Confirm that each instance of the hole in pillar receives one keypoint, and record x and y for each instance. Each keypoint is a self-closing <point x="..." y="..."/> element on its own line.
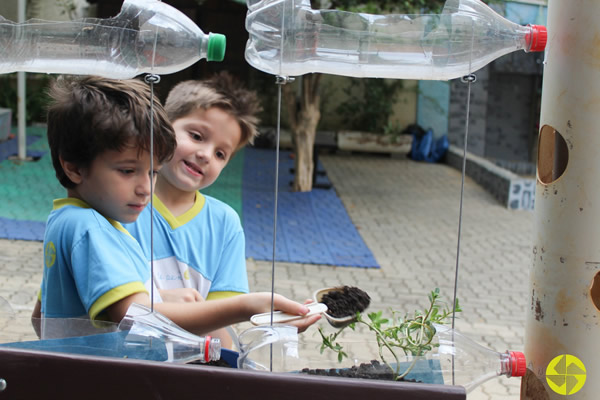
<point x="595" y="291"/>
<point x="553" y="155"/>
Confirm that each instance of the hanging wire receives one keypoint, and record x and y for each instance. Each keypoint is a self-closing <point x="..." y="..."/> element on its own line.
<point x="279" y="81"/>
<point x="151" y="79"/>
<point x="468" y="79"/>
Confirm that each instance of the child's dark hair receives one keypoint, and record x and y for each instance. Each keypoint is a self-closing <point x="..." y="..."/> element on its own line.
<point x="90" y="115"/>
<point x="222" y="91"/>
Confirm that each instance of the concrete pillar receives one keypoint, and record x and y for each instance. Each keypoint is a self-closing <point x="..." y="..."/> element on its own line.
<point x="564" y="317"/>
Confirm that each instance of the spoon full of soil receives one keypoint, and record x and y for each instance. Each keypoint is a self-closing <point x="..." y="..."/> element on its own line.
<point x="338" y="304"/>
<point x="343" y="302"/>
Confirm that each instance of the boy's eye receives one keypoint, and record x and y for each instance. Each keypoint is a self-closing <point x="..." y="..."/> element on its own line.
<point x="221" y="155"/>
<point x="126" y="171"/>
<point x="196" y="136"/>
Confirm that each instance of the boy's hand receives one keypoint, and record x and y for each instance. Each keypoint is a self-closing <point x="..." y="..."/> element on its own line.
<point x="181" y="295"/>
<point x="304" y="323"/>
<point x="261" y="302"/>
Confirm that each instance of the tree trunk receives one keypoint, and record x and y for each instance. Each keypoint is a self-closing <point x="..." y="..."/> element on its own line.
<point x="304" y="115"/>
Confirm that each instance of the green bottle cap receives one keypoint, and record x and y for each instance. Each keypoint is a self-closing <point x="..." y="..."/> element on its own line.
<point x="216" y="47"/>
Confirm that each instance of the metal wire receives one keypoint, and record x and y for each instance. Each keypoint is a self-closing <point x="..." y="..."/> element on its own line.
<point x="151" y="79"/>
<point x="279" y="82"/>
<point x="468" y="79"/>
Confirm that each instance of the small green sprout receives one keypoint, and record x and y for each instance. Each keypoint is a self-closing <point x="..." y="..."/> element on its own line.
<point x="413" y="335"/>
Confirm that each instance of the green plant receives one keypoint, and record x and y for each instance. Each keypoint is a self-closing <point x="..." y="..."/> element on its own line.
<point x="371" y="110"/>
<point x="393" y="130"/>
<point x="36" y="98"/>
<point x="412" y="335"/>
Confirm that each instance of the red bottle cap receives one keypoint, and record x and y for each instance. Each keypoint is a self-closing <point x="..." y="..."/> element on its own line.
<point x="207" y="348"/>
<point x="537" y="37"/>
<point x="518" y="363"/>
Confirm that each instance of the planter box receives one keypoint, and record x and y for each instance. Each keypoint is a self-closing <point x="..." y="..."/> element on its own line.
<point x="373" y="143"/>
<point x="34" y="374"/>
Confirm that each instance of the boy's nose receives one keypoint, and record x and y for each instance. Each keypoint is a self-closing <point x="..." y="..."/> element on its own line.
<point x="142" y="188"/>
<point x="203" y="154"/>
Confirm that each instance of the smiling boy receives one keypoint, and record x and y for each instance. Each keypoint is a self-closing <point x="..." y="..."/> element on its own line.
<point x="199" y="241"/>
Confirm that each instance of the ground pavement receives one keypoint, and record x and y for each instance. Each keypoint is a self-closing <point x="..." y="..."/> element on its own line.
<point x="407" y="213"/>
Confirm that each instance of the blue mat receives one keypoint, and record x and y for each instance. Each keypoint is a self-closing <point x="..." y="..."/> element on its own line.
<point x="21" y="230"/>
<point x="10" y="147"/>
<point x="312" y="227"/>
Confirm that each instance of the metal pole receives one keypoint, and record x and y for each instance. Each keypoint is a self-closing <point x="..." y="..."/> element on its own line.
<point x="563" y="320"/>
<point x="22" y="140"/>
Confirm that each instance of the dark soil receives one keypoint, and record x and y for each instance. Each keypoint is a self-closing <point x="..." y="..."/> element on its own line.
<point x="348" y="301"/>
<point x="218" y="363"/>
<point x="372" y="370"/>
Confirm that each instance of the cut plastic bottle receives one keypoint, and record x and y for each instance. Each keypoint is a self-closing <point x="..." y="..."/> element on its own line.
<point x="471" y="363"/>
<point x="288" y="38"/>
<point x="454" y="360"/>
<point x="144" y="326"/>
<point x="147" y="36"/>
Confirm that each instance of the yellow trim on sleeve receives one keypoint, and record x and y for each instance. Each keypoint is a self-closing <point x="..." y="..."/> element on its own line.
<point x="221" y="295"/>
<point x="176" y="222"/>
<point x="114" y="295"/>
<point x="40" y="294"/>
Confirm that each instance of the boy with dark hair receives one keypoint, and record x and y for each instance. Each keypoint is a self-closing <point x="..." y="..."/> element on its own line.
<point x="199" y="241"/>
<point x="99" y="136"/>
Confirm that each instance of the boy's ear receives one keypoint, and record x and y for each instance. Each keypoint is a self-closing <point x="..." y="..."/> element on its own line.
<point x="73" y="171"/>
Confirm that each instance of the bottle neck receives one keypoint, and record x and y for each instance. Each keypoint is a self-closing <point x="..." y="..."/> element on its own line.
<point x="204" y="47"/>
<point x="506" y="364"/>
<point x="513" y="363"/>
<point x="212" y="349"/>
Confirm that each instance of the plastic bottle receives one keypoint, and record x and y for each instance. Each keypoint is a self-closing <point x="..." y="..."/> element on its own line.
<point x="144" y="326"/>
<point x="269" y="348"/>
<point x="148" y="36"/>
<point x="466" y="363"/>
<point x="289" y="38"/>
<point x="456" y="361"/>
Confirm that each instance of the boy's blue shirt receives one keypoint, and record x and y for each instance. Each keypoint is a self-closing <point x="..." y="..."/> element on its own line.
<point x="90" y="262"/>
<point x="203" y="249"/>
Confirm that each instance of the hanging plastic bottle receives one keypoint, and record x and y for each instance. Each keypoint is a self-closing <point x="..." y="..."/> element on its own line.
<point x="289" y="38"/>
<point x="147" y="36"/>
<point x="181" y="346"/>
